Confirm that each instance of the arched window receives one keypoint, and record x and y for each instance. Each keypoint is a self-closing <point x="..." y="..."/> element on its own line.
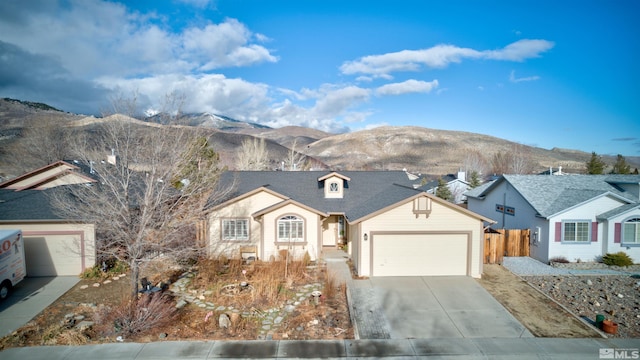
<point x="290" y="229"/>
<point x="631" y="231"/>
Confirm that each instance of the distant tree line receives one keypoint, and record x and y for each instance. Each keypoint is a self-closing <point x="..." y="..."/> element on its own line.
<point x="596" y="166"/>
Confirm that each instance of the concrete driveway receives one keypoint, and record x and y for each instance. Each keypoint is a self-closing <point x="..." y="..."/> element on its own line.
<point x="429" y="307"/>
<point x="29" y="297"/>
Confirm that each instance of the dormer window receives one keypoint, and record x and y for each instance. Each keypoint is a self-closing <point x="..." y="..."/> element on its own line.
<point x="333" y="187"/>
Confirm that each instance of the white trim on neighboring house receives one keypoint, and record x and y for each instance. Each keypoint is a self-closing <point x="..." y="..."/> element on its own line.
<point x="608" y="193"/>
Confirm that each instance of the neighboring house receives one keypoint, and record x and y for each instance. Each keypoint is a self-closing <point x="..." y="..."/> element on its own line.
<point x="53" y="246"/>
<point x="579" y="217"/>
<point x="458" y="185"/>
<point x="389" y="227"/>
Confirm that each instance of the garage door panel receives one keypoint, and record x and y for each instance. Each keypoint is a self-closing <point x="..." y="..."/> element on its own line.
<point x="52" y="256"/>
<point x="419" y="254"/>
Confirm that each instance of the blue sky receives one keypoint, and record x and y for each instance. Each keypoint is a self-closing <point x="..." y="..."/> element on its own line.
<point x="543" y="73"/>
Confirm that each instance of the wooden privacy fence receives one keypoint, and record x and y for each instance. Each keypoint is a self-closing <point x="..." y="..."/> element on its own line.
<point x="501" y="243"/>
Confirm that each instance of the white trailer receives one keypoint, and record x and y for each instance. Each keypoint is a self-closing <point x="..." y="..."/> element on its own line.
<point x="13" y="267"/>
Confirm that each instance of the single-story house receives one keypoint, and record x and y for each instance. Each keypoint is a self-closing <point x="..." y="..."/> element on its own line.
<point x="389" y="227"/>
<point x="53" y="246"/>
<point x="578" y="217"/>
<point x="457" y="185"/>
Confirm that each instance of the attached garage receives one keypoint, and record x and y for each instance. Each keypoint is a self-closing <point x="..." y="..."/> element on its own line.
<point x="57" y="249"/>
<point x="420" y="254"/>
<point x="420" y="236"/>
<point x="54" y="246"/>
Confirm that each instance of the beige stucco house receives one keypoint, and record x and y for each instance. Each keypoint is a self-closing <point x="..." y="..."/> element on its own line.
<point x="53" y="246"/>
<point x="389" y="227"/>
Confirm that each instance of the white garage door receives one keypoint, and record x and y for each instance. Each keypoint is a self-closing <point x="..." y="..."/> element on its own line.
<point x="420" y="254"/>
<point x="52" y="255"/>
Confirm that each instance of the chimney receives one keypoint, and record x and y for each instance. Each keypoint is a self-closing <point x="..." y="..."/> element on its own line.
<point x="462" y="175"/>
<point x="111" y="159"/>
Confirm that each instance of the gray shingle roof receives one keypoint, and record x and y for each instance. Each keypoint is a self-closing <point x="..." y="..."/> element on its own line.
<point x="617" y="211"/>
<point x="550" y="195"/>
<point x="367" y="192"/>
<point x="26" y="205"/>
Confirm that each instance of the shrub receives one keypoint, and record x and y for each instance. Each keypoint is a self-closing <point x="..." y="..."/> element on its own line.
<point x="559" y="259"/>
<point x="137" y="316"/>
<point x="618" y="259"/>
<point x="306" y="259"/>
<point x="330" y="286"/>
<point x="112" y="266"/>
<point x="92" y="273"/>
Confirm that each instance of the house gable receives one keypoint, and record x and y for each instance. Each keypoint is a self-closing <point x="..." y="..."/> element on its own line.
<point x="49" y="176"/>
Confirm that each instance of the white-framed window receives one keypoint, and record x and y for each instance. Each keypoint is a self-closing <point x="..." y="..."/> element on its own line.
<point x="290" y="229"/>
<point x="631" y="231"/>
<point x="576" y="231"/>
<point x="333" y="187"/>
<point x="235" y="229"/>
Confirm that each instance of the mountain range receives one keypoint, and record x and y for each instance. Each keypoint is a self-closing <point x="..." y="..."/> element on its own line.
<point x="416" y="149"/>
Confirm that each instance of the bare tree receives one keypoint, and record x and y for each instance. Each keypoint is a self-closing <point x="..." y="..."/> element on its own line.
<point x="521" y="162"/>
<point x="474" y="161"/>
<point x="150" y="195"/>
<point x="253" y="155"/>
<point x="42" y="143"/>
<point x="295" y="161"/>
<point x="516" y="161"/>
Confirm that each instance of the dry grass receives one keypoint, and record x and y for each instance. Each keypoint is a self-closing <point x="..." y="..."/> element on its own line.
<point x="136" y="317"/>
<point x="269" y="283"/>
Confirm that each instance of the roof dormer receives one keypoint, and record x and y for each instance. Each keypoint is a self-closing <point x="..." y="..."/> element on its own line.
<point x="334" y="185"/>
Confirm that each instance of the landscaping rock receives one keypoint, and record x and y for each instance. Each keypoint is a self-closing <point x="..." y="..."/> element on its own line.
<point x="223" y="321"/>
<point x="601" y="296"/>
<point x="83" y="325"/>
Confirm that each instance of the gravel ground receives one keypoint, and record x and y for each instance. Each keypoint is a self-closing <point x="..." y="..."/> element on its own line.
<point x="527" y="266"/>
<point x="586" y="293"/>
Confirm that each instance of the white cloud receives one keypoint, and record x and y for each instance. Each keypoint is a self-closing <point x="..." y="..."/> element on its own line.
<point x="222" y="45"/>
<point x="440" y="56"/>
<point x="334" y="102"/>
<point x="198" y="3"/>
<point x="520" y="50"/>
<point x="110" y="39"/>
<point x="512" y="77"/>
<point x="212" y="93"/>
<point x="409" y="86"/>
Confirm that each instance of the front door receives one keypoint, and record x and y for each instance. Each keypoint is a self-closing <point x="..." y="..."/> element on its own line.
<point x="333" y="230"/>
